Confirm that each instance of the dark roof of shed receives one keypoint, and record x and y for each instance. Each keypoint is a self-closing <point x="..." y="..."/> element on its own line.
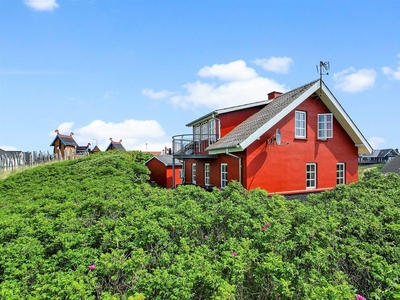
<point x="66" y="140"/>
<point x="256" y="121"/>
<point x="392" y="166"/>
<point x="117" y="145"/>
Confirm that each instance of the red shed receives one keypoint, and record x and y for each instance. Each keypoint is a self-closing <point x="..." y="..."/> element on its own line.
<point x="162" y="168"/>
<point x="296" y="142"/>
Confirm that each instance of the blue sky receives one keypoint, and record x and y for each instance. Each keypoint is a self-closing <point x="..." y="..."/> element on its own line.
<point x="141" y="70"/>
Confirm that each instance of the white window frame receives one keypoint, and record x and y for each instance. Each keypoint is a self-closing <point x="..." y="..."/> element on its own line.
<point x="207" y="174"/>
<point x="196" y="132"/>
<point x="311" y="175"/>
<point x="212" y="130"/>
<point x="300" y="124"/>
<point x="224" y="175"/>
<point x="325" y="126"/>
<point x="204" y="131"/>
<point x="194" y="174"/>
<point x="340" y="173"/>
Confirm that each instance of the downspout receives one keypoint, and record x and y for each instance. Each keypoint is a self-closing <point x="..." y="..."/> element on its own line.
<point x="240" y="164"/>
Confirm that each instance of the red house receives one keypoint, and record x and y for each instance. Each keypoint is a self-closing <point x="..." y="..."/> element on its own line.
<point x="162" y="168"/>
<point x="297" y="142"/>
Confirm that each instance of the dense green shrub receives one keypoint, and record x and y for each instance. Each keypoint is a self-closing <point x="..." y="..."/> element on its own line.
<point x="94" y="229"/>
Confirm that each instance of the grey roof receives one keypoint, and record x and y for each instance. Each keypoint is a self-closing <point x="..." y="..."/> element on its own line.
<point x="82" y="150"/>
<point x="256" y="121"/>
<point x="165" y="159"/>
<point x="382" y="153"/>
<point x="392" y="166"/>
<point x="67" y="140"/>
<point x="117" y="146"/>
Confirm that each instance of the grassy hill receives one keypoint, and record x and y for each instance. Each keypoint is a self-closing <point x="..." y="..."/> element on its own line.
<point x="93" y="228"/>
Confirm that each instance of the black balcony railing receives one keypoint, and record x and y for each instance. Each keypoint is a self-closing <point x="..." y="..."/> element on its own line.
<point x="192" y="144"/>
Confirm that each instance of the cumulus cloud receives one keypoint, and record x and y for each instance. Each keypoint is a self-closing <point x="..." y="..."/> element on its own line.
<point x="233" y="71"/>
<point x="156" y="95"/>
<point x="353" y="81"/>
<point x="240" y="84"/>
<point x="375" y="141"/>
<point x="274" y="64"/>
<point x="144" y="135"/>
<point x="392" y="74"/>
<point x="42" y="5"/>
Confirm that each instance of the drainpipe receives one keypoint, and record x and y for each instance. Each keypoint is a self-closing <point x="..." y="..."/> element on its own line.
<point x="240" y="164"/>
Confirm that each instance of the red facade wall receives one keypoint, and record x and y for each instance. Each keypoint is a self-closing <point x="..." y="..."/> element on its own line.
<point x="283" y="168"/>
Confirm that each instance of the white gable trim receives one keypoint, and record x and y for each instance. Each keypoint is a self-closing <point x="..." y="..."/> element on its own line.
<point x="255" y="135"/>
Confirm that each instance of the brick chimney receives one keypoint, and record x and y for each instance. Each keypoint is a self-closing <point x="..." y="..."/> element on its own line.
<point x="273" y="95"/>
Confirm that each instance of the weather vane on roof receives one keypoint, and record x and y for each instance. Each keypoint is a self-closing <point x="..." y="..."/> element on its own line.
<point x="323" y="69"/>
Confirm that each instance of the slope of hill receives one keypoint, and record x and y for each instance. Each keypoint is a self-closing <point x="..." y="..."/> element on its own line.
<point x="93" y="228"/>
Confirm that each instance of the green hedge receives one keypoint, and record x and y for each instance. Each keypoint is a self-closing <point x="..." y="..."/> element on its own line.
<point x="93" y="228"/>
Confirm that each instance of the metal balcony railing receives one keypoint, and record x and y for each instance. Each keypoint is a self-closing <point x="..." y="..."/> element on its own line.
<point x="192" y="144"/>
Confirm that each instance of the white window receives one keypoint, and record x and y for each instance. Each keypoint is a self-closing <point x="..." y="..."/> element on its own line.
<point x="340" y="173"/>
<point x="325" y="125"/>
<point x="224" y="175"/>
<point x="196" y="132"/>
<point x="204" y="131"/>
<point x="311" y="176"/>
<point x="212" y="131"/>
<point x="206" y="174"/>
<point x="300" y="126"/>
<point x="194" y="173"/>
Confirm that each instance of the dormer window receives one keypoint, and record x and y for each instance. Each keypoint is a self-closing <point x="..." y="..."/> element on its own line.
<point x="325" y="126"/>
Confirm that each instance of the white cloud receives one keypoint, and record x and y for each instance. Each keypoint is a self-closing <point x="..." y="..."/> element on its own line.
<point x="274" y="64"/>
<point x="135" y="134"/>
<point x="42" y="5"/>
<point x="353" y="81"/>
<point x="156" y="95"/>
<point x="392" y="74"/>
<point x="375" y="141"/>
<point x="233" y="71"/>
<point x="243" y="85"/>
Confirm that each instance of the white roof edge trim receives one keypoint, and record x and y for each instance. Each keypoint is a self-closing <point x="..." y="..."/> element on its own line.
<point x="337" y="105"/>
<point x="228" y="109"/>
<point x="255" y="135"/>
<point x="223" y="150"/>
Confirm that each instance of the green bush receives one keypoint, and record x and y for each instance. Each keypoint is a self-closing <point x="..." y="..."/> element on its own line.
<point x="94" y="228"/>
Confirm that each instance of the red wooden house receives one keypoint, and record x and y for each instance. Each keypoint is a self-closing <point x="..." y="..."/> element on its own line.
<point x="162" y="168"/>
<point x="297" y="142"/>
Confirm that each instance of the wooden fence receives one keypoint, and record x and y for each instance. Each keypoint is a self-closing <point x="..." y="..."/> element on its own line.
<point x="13" y="160"/>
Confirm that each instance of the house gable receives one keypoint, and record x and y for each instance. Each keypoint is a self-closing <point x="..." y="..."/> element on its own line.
<point x="256" y="125"/>
<point x="115" y="145"/>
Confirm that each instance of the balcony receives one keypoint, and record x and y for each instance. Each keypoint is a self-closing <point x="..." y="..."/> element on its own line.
<point x="192" y="145"/>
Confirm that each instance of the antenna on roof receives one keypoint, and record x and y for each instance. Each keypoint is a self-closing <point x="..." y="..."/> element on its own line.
<point x="323" y="69"/>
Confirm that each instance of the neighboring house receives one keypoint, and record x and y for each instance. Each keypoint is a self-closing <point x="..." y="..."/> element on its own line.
<point x="115" y="145"/>
<point x="392" y="166"/>
<point x="82" y="150"/>
<point x="379" y="156"/>
<point x="297" y="142"/>
<point x="162" y="168"/>
<point x="95" y="149"/>
<point x="64" y="145"/>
